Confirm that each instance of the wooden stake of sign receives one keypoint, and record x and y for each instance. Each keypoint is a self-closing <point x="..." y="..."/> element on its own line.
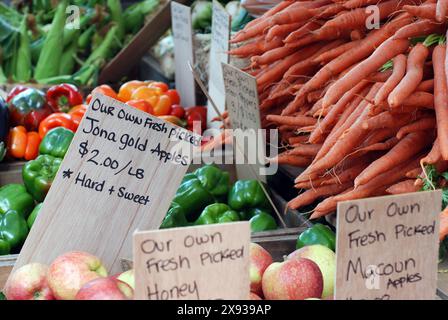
<point x="244" y="113"/>
<point x="183" y="52"/>
<point x="193" y="263"/>
<point x="119" y="175"/>
<point x="218" y="54"/>
<point x="387" y="247"/>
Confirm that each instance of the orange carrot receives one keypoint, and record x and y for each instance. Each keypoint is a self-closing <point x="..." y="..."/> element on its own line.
<point x="282" y="30"/>
<point x="441" y="98"/>
<point x="331" y="117"/>
<point x="277" y="71"/>
<point x="413" y="77"/>
<point x="441" y="10"/>
<point x="425" y="11"/>
<point x="334" y="53"/>
<point x="293" y="121"/>
<point x="272" y="56"/>
<point x="296" y="161"/>
<point x="257" y="26"/>
<point x="298" y="139"/>
<point x="353" y="4"/>
<point x="419" y="125"/>
<point x="406" y="186"/>
<point x="309" y="196"/>
<point x="328" y="11"/>
<point x="433" y="156"/>
<point x="379" y="146"/>
<point x="407" y="147"/>
<point x="309" y="150"/>
<point x="414" y="173"/>
<point x="443" y="226"/>
<point x="295" y="13"/>
<point x="418" y="29"/>
<point x="377" y="183"/>
<point x="426" y="86"/>
<point x="258" y="46"/>
<point x="384" y="53"/>
<point x="336" y="66"/>
<point x="307" y="29"/>
<point x="347" y="140"/>
<point x="380" y="76"/>
<point x="397" y="75"/>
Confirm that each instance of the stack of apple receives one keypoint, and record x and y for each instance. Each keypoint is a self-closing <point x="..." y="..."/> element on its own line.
<point x="74" y="275"/>
<point x="305" y="274"/>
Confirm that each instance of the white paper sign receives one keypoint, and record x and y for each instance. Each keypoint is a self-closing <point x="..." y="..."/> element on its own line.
<point x="218" y="54"/>
<point x="183" y="52"/>
<point x="244" y="113"/>
<point x="387" y="247"/>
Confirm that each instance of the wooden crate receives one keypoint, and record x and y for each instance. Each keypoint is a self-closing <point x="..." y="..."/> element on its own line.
<point x="157" y="23"/>
<point x="11" y="172"/>
<point x="6" y="265"/>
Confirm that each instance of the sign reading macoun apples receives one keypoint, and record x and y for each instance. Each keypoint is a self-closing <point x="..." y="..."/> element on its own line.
<point x="387" y="247"/>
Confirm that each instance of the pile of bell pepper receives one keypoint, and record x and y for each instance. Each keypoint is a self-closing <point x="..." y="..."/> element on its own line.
<point x="158" y="99"/>
<point x="28" y="114"/>
<point x="206" y="196"/>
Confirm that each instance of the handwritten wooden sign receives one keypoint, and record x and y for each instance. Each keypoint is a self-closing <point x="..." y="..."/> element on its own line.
<point x="119" y="175"/>
<point x="218" y="54"/>
<point x="387" y="247"/>
<point x="193" y="263"/>
<point x="183" y="52"/>
<point x="244" y="113"/>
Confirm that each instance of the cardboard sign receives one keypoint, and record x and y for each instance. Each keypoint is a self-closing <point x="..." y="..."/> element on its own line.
<point x="193" y="263"/>
<point x="120" y="173"/>
<point x="218" y="54"/>
<point x="183" y="52"/>
<point x="387" y="247"/>
<point x="244" y="113"/>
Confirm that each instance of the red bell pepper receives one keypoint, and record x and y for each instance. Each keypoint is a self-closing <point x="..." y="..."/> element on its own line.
<point x="196" y="114"/>
<point x="77" y="113"/>
<point x="54" y="120"/>
<point x="62" y="97"/>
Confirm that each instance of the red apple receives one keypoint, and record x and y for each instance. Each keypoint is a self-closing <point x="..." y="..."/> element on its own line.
<point x="254" y="296"/>
<point x="105" y="289"/>
<point x="260" y="259"/>
<point x="128" y="278"/>
<point x="296" y="279"/>
<point x="71" y="271"/>
<point x="29" y="282"/>
<point x="326" y="260"/>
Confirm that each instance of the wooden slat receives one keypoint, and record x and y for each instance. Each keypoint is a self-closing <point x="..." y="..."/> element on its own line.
<point x="128" y="57"/>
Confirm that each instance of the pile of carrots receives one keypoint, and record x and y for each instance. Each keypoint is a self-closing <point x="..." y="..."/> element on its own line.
<point x="364" y="109"/>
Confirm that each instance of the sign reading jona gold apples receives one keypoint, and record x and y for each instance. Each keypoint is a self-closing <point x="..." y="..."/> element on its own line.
<point x="387" y="247"/>
<point x="119" y="175"/>
<point x="193" y="263"/>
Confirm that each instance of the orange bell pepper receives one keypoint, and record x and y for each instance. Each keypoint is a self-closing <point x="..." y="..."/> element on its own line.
<point x="77" y="113"/>
<point x="23" y="144"/>
<point x="161" y="85"/>
<point x="163" y="106"/>
<point x="126" y="90"/>
<point x="142" y="105"/>
<point x="105" y="90"/>
<point x="54" y="120"/>
<point x="146" y="93"/>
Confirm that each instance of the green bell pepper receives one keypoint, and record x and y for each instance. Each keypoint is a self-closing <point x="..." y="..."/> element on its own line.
<point x="217" y="213"/>
<point x="33" y="215"/>
<point x="5" y="247"/>
<point x="174" y="218"/>
<point x="38" y="175"/>
<point x="247" y="194"/>
<point x="15" y="197"/>
<point x="317" y="234"/>
<point x="205" y="186"/>
<point x="260" y="219"/>
<point x="13" y="229"/>
<point x="56" y="142"/>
